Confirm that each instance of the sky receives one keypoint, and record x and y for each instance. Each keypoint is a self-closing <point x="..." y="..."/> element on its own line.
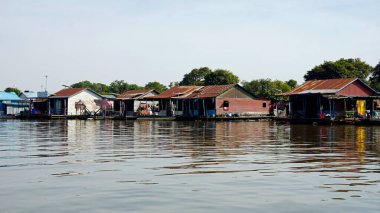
<point x="139" y="41"/>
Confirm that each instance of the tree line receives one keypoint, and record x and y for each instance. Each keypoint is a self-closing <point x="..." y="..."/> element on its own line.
<point x="203" y="76"/>
<point x="118" y="86"/>
<point x="262" y="88"/>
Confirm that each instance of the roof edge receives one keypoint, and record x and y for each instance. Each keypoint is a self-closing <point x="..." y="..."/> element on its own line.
<point x="240" y="87"/>
<point x="82" y="89"/>
<point x="348" y="84"/>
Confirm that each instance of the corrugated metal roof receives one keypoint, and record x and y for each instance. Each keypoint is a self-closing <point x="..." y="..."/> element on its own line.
<point x="29" y="94"/>
<point x="133" y="94"/>
<point x="328" y="86"/>
<point x="67" y="92"/>
<point x="34" y="95"/>
<point x="177" y="92"/>
<point x="210" y="91"/>
<point x="9" y="96"/>
<point x="322" y="91"/>
<point x="109" y="96"/>
<point x="43" y="94"/>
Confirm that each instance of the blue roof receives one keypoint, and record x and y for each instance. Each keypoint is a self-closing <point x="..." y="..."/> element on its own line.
<point x="9" y="96"/>
<point x="30" y="94"/>
<point x="33" y="95"/>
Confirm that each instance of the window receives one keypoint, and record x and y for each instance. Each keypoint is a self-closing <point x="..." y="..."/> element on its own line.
<point x="226" y="105"/>
<point x="264" y="105"/>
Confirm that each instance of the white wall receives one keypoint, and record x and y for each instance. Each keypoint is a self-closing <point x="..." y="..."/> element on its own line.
<point x="87" y="97"/>
<point x="138" y="102"/>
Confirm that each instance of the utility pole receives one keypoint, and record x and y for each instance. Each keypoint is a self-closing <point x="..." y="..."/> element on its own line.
<point x="45" y="82"/>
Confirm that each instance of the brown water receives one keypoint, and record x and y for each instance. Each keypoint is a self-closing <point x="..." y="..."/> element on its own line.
<point x="150" y="166"/>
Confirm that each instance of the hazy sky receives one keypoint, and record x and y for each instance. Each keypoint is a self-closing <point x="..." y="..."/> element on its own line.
<point x="140" y="41"/>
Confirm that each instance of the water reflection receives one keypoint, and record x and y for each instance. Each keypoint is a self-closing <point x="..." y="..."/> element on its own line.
<point x="259" y="161"/>
<point x="348" y="154"/>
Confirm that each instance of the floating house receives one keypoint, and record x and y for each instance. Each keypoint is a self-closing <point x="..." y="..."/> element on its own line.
<point x="224" y="100"/>
<point x="11" y="104"/>
<point x="30" y="95"/>
<point x="110" y="96"/>
<point x="171" y="101"/>
<point x="210" y="101"/>
<point x="106" y="105"/>
<point x="38" y="102"/>
<point x="74" y="101"/>
<point x="337" y="99"/>
<point x="134" y="102"/>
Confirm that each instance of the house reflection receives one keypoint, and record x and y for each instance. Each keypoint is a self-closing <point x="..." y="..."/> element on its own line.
<point x="216" y="139"/>
<point x="334" y="148"/>
<point x="345" y="137"/>
<point x="50" y="138"/>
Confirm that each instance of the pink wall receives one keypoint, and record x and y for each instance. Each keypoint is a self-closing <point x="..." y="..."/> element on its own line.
<point x="243" y="105"/>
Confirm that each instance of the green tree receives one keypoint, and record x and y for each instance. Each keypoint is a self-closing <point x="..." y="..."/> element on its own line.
<point x="82" y="84"/>
<point x="173" y="84"/>
<point x="156" y="86"/>
<point x="221" y="77"/>
<point x="97" y="87"/>
<point x="255" y="87"/>
<point x="278" y="87"/>
<point x="292" y="83"/>
<point x="259" y="88"/>
<point x="100" y="88"/>
<point x="118" y="86"/>
<point x="134" y="87"/>
<point x="266" y="88"/>
<point x="375" y="77"/>
<point x="342" y="68"/>
<point x="196" y="77"/>
<point x="13" y="89"/>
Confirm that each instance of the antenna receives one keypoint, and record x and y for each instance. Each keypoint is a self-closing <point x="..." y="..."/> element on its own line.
<point x="46" y="76"/>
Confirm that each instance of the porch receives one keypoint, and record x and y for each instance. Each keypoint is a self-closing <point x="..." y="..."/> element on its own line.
<point x="319" y="106"/>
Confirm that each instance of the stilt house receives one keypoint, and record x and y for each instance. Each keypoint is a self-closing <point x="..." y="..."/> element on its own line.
<point x="211" y="101"/>
<point x="333" y="98"/>
<point x="134" y="102"/>
<point x="171" y="101"/>
<point x="224" y="100"/>
<point x="74" y="101"/>
<point x="11" y="104"/>
<point x="38" y="102"/>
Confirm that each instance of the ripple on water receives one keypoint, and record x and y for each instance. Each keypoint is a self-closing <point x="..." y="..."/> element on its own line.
<point x="143" y="166"/>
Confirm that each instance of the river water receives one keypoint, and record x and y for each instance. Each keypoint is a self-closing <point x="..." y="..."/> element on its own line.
<point x="164" y="166"/>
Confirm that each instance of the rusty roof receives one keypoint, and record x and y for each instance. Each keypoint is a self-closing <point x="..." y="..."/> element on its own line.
<point x="322" y="86"/>
<point x="210" y="91"/>
<point x="67" y="92"/>
<point x="133" y="94"/>
<point x="177" y="92"/>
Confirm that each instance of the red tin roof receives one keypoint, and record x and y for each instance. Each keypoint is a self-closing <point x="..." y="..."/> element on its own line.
<point x="177" y="92"/>
<point x="211" y="91"/>
<point x="322" y="86"/>
<point x="67" y="92"/>
<point x="133" y="94"/>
